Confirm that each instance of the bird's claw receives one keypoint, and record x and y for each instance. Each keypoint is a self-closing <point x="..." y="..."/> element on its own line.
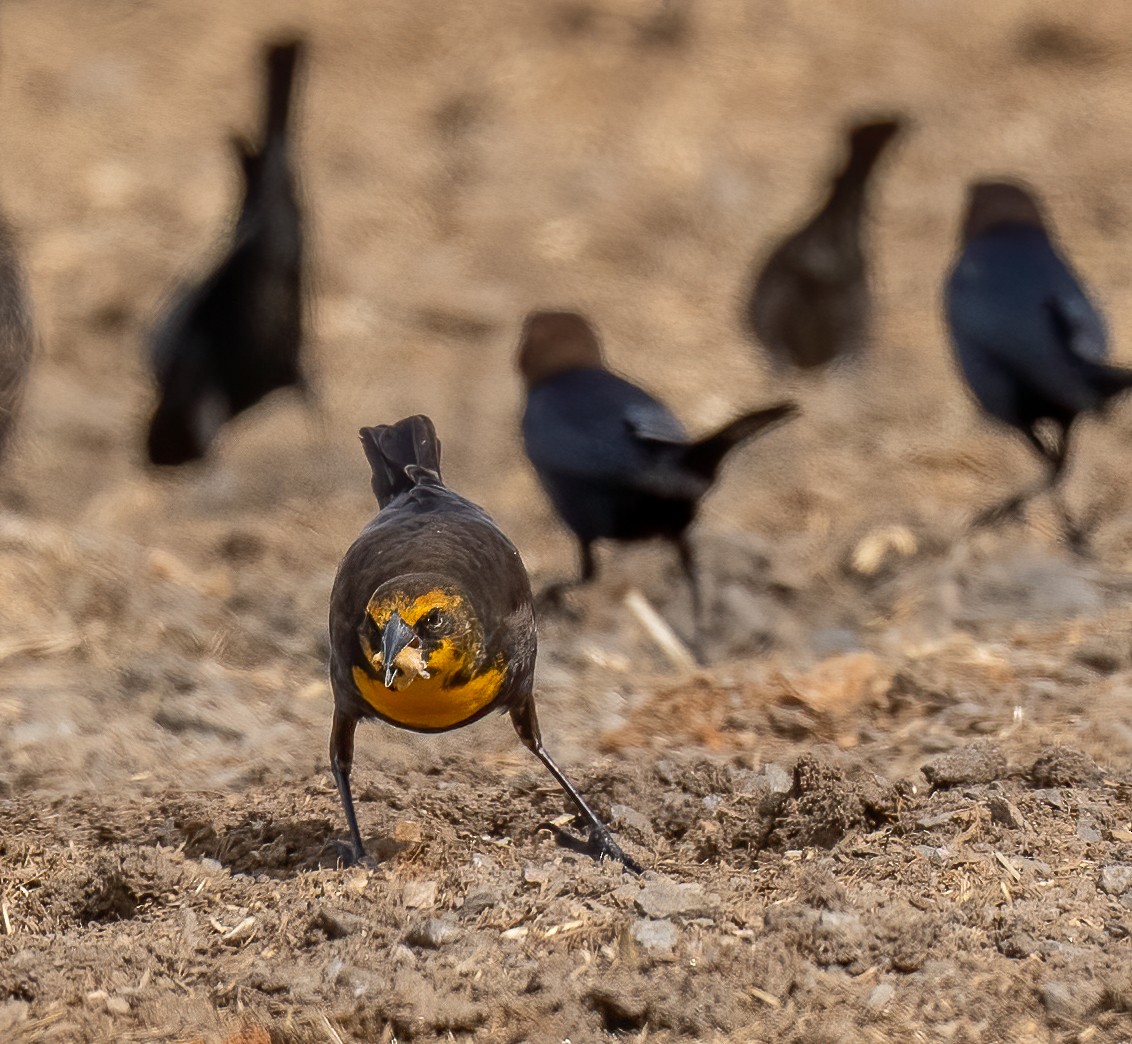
<point x="350" y="855"/>
<point x="599" y="845"/>
<point x="604" y="847"/>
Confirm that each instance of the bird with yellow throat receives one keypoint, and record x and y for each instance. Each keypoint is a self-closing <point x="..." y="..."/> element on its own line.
<point x="432" y="622"/>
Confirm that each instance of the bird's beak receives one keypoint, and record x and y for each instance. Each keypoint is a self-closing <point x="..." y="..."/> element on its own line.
<point x="400" y="653"/>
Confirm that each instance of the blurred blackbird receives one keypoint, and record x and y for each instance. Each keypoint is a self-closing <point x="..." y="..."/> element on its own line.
<point x="16" y="339"/>
<point x="1029" y="341"/>
<point x="432" y="624"/>
<point x="615" y="462"/>
<point x="236" y="336"/>
<point x="811" y="302"/>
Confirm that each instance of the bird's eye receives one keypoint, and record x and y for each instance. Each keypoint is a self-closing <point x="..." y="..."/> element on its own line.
<point x="433" y="623"/>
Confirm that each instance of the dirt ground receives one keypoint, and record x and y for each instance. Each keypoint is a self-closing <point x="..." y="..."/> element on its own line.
<point x="897" y="806"/>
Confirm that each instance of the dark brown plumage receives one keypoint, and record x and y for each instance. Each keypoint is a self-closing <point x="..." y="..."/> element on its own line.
<point x="432" y="622"/>
<point x="810" y="303"/>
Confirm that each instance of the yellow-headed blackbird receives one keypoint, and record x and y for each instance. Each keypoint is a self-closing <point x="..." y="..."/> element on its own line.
<point x="235" y="337"/>
<point x="1030" y="343"/>
<point x="16" y="340"/>
<point x="615" y="462"/>
<point x="432" y="622"/>
<point x="811" y="304"/>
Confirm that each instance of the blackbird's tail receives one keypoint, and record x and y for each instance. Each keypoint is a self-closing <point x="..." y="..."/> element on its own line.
<point x="1109" y="381"/>
<point x="867" y="141"/>
<point x="401" y="456"/>
<point x="704" y="457"/>
<point x="281" y="60"/>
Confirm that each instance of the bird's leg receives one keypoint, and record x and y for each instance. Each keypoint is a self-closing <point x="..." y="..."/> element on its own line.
<point x="550" y="599"/>
<point x="601" y="844"/>
<point x="1011" y="508"/>
<point x="1075" y="531"/>
<point x="341" y="762"/>
<point x="688" y="563"/>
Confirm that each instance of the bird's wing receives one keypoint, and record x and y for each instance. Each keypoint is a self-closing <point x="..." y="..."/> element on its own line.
<point x="651" y="422"/>
<point x="1078" y="325"/>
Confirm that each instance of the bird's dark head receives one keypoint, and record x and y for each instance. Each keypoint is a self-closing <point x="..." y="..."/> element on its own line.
<point x="991" y="203"/>
<point x="421" y="626"/>
<point x="552" y="343"/>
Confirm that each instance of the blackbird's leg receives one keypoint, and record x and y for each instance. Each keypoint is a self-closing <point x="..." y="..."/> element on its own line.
<point x="1077" y="532"/>
<point x="341" y="762"/>
<point x="1012" y="507"/>
<point x="601" y="844"/>
<point x="550" y="598"/>
<point x="688" y="564"/>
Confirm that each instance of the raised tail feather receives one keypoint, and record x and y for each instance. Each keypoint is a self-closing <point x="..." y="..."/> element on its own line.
<point x="866" y="143"/>
<point x="705" y="456"/>
<point x="401" y="455"/>
<point x="281" y="61"/>
<point x="1110" y="381"/>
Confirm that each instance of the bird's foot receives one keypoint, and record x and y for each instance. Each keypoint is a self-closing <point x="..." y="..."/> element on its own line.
<point x="599" y="845"/>
<point x="350" y="855"/>
<point x="602" y="846"/>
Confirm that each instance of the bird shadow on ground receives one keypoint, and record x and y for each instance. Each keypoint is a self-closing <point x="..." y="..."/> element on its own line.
<point x="278" y="848"/>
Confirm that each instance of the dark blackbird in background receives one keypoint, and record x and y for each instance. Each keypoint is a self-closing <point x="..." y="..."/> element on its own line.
<point x="811" y="303"/>
<point x="236" y="337"/>
<point x="615" y="462"/>
<point x="432" y="622"/>
<point x="16" y="339"/>
<point x="1029" y="341"/>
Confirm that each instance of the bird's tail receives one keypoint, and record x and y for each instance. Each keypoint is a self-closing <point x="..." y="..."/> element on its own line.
<point x="1110" y="381"/>
<point x="705" y="456"/>
<point x="866" y="143"/>
<point x="281" y="61"/>
<point x="401" y="456"/>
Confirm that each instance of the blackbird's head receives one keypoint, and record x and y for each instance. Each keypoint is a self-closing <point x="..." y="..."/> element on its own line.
<point x="421" y="626"/>
<point x="552" y="343"/>
<point x="991" y="203"/>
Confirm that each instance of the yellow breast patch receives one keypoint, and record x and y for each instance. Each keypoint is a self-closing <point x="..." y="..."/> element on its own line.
<point x="427" y="703"/>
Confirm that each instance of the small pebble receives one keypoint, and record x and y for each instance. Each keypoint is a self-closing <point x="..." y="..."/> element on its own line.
<point x="1051" y="796"/>
<point x="419" y="895"/>
<point x="1116" y="878"/>
<point x="433" y="933"/>
<point x="1006" y="813"/>
<point x="476" y="902"/>
<point x="655" y="936"/>
<point x="881" y="995"/>
<point x="667" y="899"/>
